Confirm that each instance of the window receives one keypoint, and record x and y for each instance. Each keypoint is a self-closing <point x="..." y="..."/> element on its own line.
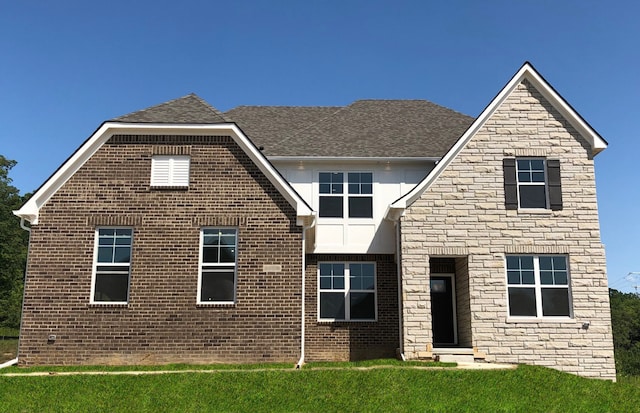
<point x="170" y="171"/>
<point x="359" y="199"/>
<point x="347" y="291"/>
<point x="112" y="265"/>
<point x="538" y="286"/>
<point x="360" y="191"/>
<point x="331" y="190"/>
<point x="218" y="257"/>
<point x="532" y="183"/>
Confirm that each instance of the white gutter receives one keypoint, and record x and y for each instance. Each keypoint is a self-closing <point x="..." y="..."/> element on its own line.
<point x="23" y="226"/>
<point x="15" y="360"/>
<point x="399" y="271"/>
<point x="9" y="363"/>
<point x="304" y="265"/>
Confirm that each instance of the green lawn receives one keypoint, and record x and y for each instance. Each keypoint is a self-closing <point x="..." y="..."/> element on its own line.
<point x="8" y="349"/>
<point x="526" y="389"/>
<point x="8" y="343"/>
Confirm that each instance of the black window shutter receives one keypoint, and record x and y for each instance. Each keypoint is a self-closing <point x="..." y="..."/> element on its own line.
<point x="510" y="184"/>
<point x="555" y="188"/>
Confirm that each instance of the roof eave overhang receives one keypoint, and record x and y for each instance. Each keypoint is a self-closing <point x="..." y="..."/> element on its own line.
<point x="598" y="144"/>
<point x="355" y="158"/>
<point x="30" y="210"/>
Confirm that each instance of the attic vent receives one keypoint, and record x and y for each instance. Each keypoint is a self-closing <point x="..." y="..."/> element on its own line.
<point x="170" y="171"/>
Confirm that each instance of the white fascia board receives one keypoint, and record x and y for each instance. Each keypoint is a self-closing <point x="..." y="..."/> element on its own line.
<point x="354" y="158"/>
<point x="30" y="210"/>
<point x="598" y="144"/>
<point x="396" y="209"/>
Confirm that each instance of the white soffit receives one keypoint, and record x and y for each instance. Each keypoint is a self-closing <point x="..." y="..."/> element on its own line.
<point x="31" y="208"/>
<point x="526" y="72"/>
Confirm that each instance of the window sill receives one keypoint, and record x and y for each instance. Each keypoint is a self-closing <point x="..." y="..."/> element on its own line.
<point x="334" y="322"/>
<point x="169" y="188"/>
<point x="108" y="305"/>
<point x="543" y="320"/>
<point x="217" y="304"/>
<point x="535" y="211"/>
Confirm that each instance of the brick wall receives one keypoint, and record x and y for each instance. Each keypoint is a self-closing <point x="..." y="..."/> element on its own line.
<point x="356" y="340"/>
<point x="162" y="322"/>
<point x="463" y="215"/>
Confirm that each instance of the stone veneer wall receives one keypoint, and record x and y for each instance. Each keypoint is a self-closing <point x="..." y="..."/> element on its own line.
<point x="162" y="322"/>
<point x="463" y="303"/>
<point x="463" y="214"/>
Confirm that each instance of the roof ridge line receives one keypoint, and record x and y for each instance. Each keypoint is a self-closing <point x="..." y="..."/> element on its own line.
<point x="211" y="108"/>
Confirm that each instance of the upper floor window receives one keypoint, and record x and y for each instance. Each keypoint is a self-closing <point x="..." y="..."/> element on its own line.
<point x="112" y="265"/>
<point x="218" y="257"/>
<point x="532" y="183"/>
<point x="347" y="291"/>
<point x="359" y="194"/>
<point x="538" y="286"/>
<point x="170" y="170"/>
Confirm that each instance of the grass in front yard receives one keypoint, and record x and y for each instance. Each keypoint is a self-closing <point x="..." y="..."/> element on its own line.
<point x="8" y="349"/>
<point x="8" y="343"/>
<point x="526" y="389"/>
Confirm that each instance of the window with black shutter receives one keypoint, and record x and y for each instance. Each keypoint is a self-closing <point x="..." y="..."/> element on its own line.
<point x="532" y="183"/>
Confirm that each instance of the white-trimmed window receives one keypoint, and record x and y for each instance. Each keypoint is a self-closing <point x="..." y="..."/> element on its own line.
<point x="538" y="286"/>
<point x="347" y="291"/>
<point x="218" y="258"/>
<point x="112" y="265"/>
<point x="359" y="194"/>
<point x="170" y="170"/>
<point x="532" y="186"/>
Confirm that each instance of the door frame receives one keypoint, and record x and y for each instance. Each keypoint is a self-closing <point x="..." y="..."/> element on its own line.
<point x="453" y="304"/>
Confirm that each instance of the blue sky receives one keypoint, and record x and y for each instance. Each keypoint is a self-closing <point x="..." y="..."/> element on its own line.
<point x="66" y="66"/>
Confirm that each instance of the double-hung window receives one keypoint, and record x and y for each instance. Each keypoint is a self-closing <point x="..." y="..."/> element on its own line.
<point x="331" y="194"/>
<point x="532" y="183"/>
<point x="112" y="265"/>
<point x="532" y="192"/>
<point x="218" y="259"/>
<point x="359" y="194"/>
<point x="347" y="291"/>
<point x="170" y="171"/>
<point x="538" y="286"/>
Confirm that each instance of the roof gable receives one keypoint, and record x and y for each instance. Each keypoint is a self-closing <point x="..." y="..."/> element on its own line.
<point x="526" y="72"/>
<point x="187" y="109"/>
<point x="30" y="210"/>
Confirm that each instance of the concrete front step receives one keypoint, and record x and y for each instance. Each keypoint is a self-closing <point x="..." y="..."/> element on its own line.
<point x="455" y="355"/>
<point x="455" y="358"/>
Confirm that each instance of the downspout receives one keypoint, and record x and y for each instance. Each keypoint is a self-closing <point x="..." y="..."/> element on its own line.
<point x="399" y="271"/>
<point x="15" y="360"/>
<point x="304" y="265"/>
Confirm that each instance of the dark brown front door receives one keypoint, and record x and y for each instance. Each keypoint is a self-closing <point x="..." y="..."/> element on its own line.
<point x="442" y="311"/>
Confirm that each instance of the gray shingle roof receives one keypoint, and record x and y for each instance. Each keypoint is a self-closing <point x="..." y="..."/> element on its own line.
<point x="187" y="109"/>
<point x="365" y="128"/>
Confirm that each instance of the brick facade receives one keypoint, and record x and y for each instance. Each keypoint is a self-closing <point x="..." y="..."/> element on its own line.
<point x="162" y="323"/>
<point x="353" y="340"/>
<point x="463" y="215"/>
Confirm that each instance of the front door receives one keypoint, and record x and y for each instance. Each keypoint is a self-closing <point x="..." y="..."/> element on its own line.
<point x="443" y="315"/>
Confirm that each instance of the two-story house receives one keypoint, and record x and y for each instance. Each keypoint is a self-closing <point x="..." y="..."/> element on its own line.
<point x="383" y="228"/>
